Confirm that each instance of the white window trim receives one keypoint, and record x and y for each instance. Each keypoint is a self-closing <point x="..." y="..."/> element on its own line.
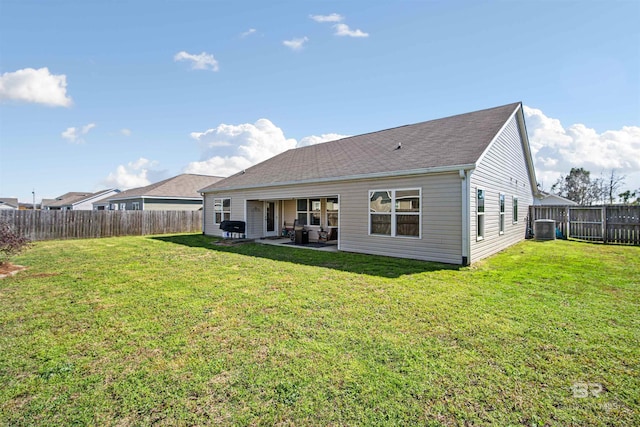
<point x="327" y="212"/>
<point x="502" y="200"/>
<point x="393" y="213"/>
<point x="514" y="209"/>
<point x="480" y="214"/>
<point x="219" y="201"/>
<point x="310" y="211"/>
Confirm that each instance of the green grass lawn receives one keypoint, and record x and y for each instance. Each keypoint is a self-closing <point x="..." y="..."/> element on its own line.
<point x="178" y="331"/>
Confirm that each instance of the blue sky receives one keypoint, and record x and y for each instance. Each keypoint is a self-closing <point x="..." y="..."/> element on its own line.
<point x="121" y="94"/>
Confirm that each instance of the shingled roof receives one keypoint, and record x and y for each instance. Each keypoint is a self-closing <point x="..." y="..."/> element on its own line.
<point x="452" y="141"/>
<point x="73" y="197"/>
<point x="183" y="186"/>
<point x="9" y="201"/>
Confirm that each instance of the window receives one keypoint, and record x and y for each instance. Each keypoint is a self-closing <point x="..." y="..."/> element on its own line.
<point x="221" y="210"/>
<point x="395" y="212"/>
<point x="123" y="206"/>
<point x="501" y="213"/>
<point x="135" y="206"/>
<point x="308" y="211"/>
<point x="515" y="210"/>
<point x="480" y="215"/>
<point x="332" y="212"/>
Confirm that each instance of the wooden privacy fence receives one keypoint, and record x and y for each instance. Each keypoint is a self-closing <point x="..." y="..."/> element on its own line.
<point x="53" y="225"/>
<point x="608" y="224"/>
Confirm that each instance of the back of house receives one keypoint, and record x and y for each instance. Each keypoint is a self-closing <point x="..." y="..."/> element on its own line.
<point x="452" y="190"/>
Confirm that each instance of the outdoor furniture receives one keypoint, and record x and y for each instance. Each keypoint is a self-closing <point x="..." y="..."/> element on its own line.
<point x="287" y="231"/>
<point x="300" y="235"/>
<point x="326" y="235"/>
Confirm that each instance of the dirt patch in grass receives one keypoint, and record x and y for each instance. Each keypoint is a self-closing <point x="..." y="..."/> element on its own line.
<point x="8" y="269"/>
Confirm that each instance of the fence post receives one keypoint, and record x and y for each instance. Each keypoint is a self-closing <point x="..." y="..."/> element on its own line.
<point x="604" y="224"/>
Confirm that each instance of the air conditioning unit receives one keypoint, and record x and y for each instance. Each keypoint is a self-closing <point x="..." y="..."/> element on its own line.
<point x="544" y="229"/>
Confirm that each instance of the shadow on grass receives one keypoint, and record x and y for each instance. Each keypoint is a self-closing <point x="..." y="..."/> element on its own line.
<point x="372" y="265"/>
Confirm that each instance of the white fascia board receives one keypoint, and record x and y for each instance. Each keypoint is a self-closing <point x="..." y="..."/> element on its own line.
<point x="527" y="153"/>
<point x="522" y="128"/>
<point x="392" y="174"/>
<point x="95" y="197"/>
<point x="495" y="137"/>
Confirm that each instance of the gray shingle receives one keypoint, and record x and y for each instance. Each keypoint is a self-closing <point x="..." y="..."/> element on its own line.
<point x="68" y="199"/>
<point x="450" y="141"/>
<point x="181" y="186"/>
<point x="9" y="201"/>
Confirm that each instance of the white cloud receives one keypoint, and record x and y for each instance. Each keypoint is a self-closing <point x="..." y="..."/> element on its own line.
<point x="556" y="149"/>
<point x="74" y="135"/>
<point x="35" y="86"/>
<point x="228" y="149"/>
<point x="314" y="139"/>
<point x="334" y="17"/>
<point x="125" y="132"/>
<point x="248" y="32"/>
<point x="344" y="30"/>
<point x="138" y="173"/>
<point x="203" y="61"/>
<point x="71" y="134"/>
<point x="296" y="43"/>
<point x="87" y="128"/>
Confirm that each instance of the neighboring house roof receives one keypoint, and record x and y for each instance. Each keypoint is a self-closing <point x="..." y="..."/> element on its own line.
<point x="46" y="202"/>
<point x="64" y="199"/>
<point x="9" y="202"/>
<point x="73" y="198"/>
<point x="545" y="198"/>
<point x="443" y="144"/>
<point x="185" y="186"/>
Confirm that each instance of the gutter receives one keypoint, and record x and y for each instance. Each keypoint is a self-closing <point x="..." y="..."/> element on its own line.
<point x="392" y="174"/>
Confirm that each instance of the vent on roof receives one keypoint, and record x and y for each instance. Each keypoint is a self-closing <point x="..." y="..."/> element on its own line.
<point x="399" y="146"/>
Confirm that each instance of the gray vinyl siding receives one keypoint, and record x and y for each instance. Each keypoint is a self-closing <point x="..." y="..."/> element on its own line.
<point x="255" y="219"/>
<point x="159" y="204"/>
<point x="128" y="203"/>
<point x="503" y="169"/>
<point x="171" y="205"/>
<point x="441" y="206"/>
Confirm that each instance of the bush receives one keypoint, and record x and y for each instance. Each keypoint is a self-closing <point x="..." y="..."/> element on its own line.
<point x="11" y="243"/>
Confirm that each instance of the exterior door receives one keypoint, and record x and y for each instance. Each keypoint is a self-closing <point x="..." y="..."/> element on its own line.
<point x="270" y="219"/>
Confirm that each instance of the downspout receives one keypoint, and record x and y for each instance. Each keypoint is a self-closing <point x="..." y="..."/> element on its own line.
<point x="204" y="210"/>
<point x="465" y="176"/>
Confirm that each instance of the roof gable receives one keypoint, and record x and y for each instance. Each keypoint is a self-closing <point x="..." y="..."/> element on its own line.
<point x="436" y="144"/>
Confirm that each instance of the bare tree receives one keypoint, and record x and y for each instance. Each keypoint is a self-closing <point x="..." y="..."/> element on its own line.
<point x="614" y="185"/>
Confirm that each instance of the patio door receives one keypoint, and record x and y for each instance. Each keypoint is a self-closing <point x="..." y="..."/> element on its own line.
<point x="270" y="219"/>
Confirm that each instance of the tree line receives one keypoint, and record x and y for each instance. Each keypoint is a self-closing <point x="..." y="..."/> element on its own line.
<point x="581" y="188"/>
